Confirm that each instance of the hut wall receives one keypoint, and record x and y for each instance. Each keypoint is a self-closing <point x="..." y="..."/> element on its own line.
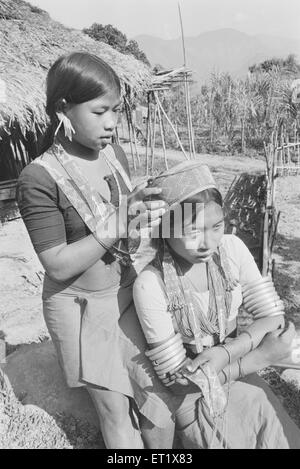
<point x="16" y="151"/>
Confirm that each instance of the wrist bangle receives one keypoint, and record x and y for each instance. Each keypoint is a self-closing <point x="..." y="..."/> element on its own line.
<point x="102" y="244"/>
<point x="241" y="371"/>
<point x="228" y="353"/>
<point x="251" y="340"/>
<point x="225" y="376"/>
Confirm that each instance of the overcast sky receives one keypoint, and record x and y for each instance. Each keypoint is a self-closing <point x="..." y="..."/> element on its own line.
<point x="160" y="17"/>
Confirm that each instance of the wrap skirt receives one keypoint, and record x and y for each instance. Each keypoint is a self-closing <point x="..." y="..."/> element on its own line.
<point x="99" y="341"/>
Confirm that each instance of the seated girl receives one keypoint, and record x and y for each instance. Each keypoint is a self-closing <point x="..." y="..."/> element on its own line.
<point x="187" y="301"/>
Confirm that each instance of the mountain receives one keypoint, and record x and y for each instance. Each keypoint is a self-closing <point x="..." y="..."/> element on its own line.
<point x="223" y="50"/>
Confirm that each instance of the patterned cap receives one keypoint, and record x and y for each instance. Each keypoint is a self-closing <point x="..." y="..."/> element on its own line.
<point x="183" y="181"/>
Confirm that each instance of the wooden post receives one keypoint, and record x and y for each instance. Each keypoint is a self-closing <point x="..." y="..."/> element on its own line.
<point x="135" y="144"/>
<point x="298" y="159"/>
<point x="289" y="161"/>
<point x="188" y="115"/>
<point x="191" y="122"/>
<point x="148" y="132"/>
<point x="122" y="126"/>
<point x="162" y="134"/>
<point x="153" y="139"/>
<point x="265" y="244"/>
<point x="129" y="132"/>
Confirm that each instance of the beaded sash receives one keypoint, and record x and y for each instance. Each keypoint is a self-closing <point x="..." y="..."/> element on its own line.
<point x="190" y="319"/>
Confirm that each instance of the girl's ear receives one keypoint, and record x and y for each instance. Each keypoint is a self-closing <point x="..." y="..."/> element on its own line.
<point x="61" y="106"/>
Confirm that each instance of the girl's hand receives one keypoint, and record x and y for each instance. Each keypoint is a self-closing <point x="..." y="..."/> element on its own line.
<point x="216" y="357"/>
<point x="277" y="345"/>
<point x="142" y="211"/>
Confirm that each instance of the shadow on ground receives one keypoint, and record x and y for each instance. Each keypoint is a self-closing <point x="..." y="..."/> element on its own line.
<point x="287" y="275"/>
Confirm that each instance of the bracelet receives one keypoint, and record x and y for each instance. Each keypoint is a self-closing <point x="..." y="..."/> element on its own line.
<point x="225" y="376"/>
<point x="107" y="248"/>
<point x="241" y="371"/>
<point x="251" y="340"/>
<point x="228" y="353"/>
<point x="167" y="358"/>
<point x="153" y="354"/>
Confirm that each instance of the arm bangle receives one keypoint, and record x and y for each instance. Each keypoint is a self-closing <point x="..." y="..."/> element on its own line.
<point x="251" y="340"/>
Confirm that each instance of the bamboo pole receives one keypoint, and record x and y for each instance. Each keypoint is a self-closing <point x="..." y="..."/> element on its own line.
<point x="173" y="128"/>
<point x="133" y="132"/>
<point x="191" y="123"/>
<point x="288" y="155"/>
<point x="122" y="127"/>
<point x="129" y="133"/>
<point x="135" y="145"/>
<point x="186" y="90"/>
<point x="298" y="159"/>
<point x="291" y="145"/>
<point x="182" y="36"/>
<point x="153" y="139"/>
<point x="282" y="152"/>
<point x="265" y="244"/>
<point x="162" y="134"/>
<point x="188" y="117"/>
<point x="148" y="137"/>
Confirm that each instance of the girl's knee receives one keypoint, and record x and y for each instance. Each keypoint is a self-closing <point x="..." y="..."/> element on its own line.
<point x="111" y="407"/>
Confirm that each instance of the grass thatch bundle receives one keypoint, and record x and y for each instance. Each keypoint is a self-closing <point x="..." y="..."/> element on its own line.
<point x="30" y="42"/>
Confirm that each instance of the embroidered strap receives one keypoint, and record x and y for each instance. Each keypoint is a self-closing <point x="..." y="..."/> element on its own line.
<point x="86" y="204"/>
<point x="90" y="205"/>
<point x="114" y="164"/>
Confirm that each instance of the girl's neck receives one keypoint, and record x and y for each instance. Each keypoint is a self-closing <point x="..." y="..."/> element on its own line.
<point x="75" y="148"/>
<point x="182" y="263"/>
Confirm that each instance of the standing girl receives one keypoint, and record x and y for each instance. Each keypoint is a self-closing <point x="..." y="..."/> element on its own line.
<point x="72" y="200"/>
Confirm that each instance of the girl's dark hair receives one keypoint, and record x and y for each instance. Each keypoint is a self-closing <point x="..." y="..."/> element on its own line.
<point x="78" y="77"/>
<point x="204" y="197"/>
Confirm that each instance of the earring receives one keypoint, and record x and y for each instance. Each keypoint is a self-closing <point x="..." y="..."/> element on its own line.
<point x="66" y="123"/>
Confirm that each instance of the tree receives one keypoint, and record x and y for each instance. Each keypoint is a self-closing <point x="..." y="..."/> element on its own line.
<point x="133" y="49"/>
<point x="116" y="39"/>
<point x="289" y="64"/>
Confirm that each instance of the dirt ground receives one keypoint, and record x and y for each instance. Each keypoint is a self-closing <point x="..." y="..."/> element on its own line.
<point x="21" y="273"/>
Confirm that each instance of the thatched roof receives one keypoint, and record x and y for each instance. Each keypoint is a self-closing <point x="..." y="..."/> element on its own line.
<point x="30" y="42"/>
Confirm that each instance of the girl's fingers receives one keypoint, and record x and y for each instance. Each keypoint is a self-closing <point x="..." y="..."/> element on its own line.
<point x="148" y="191"/>
<point x="153" y="209"/>
<point x="182" y="381"/>
<point x="288" y="335"/>
<point x="138" y="189"/>
<point x="136" y="208"/>
<point x="196" y="363"/>
<point x="154" y="214"/>
<point x="155" y="204"/>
